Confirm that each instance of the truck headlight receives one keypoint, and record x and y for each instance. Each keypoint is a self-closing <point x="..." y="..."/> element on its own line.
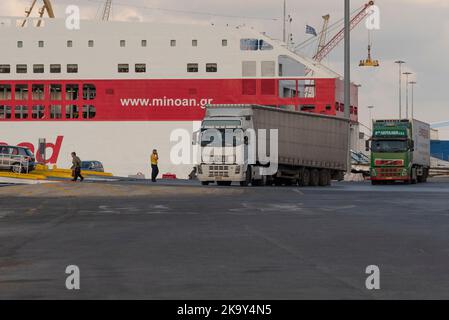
<point x="373" y="172"/>
<point x="237" y="170"/>
<point x="404" y="172"/>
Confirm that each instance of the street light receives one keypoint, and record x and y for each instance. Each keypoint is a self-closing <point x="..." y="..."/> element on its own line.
<point x="407" y="74"/>
<point x="347" y="75"/>
<point x="370" y="108"/>
<point x="413" y="98"/>
<point x="400" y="63"/>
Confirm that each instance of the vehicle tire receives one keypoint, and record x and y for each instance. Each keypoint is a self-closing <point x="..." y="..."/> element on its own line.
<point x="305" y="178"/>
<point x="15" y="167"/>
<point x="224" y="183"/>
<point x="314" y="178"/>
<point x="324" y="178"/>
<point x="248" y="178"/>
<point x="205" y="183"/>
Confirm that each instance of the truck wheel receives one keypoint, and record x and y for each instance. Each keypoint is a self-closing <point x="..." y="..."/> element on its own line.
<point x="248" y="178"/>
<point x="314" y="178"/>
<point x="205" y="183"/>
<point x="305" y="178"/>
<point x="224" y="183"/>
<point x="324" y="178"/>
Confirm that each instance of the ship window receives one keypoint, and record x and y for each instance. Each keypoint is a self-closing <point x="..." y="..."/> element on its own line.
<point x="224" y="43"/>
<point x="55" y="68"/>
<point x="21" y="112"/>
<point x="249" y="44"/>
<point x="71" y="112"/>
<point x="122" y="43"/>
<point x="38" y="112"/>
<point x="40" y="44"/>
<point x="123" y="68"/>
<point x="211" y="67"/>
<point x="144" y="43"/>
<point x="21" y="68"/>
<point x="71" y="92"/>
<point x="21" y="92"/>
<point x="249" y="87"/>
<point x="89" y="92"/>
<point x="192" y="67"/>
<point x="69" y="43"/>
<point x="37" y="92"/>
<point x="268" y="68"/>
<point x="173" y="43"/>
<point x="72" y="68"/>
<point x="55" y="112"/>
<point x="306" y="88"/>
<point x="55" y="92"/>
<point x="249" y="68"/>
<point x="5" y="92"/>
<point x="19" y="44"/>
<point x="5" y="112"/>
<point x="38" y="68"/>
<point x="89" y="112"/>
<point x="194" y="43"/>
<point x="263" y="45"/>
<point x="141" y="67"/>
<point x="5" y="68"/>
<point x="90" y="43"/>
<point x="287" y="88"/>
<point x="307" y="108"/>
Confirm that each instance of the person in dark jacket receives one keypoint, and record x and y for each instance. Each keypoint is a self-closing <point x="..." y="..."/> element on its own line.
<point x="76" y="167"/>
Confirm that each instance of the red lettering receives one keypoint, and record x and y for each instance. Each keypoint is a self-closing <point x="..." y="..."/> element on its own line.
<point x="56" y="148"/>
<point x="51" y="159"/>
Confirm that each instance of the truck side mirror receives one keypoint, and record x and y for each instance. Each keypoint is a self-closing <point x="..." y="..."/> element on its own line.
<point x="367" y="148"/>
<point x="412" y="145"/>
<point x="196" y="137"/>
<point x="246" y="140"/>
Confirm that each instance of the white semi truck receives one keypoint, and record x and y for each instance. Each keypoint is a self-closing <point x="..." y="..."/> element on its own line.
<point x="262" y="145"/>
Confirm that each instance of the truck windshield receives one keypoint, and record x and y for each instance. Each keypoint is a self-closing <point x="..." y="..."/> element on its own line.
<point x="389" y="146"/>
<point x="221" y="123"/>
<point x="221" y="137"/>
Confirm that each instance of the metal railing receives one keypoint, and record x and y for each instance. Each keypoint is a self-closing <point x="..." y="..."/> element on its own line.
<point x="16" y="163"/>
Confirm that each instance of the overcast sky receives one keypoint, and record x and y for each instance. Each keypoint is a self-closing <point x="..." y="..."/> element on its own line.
<point x="416" y="31"/>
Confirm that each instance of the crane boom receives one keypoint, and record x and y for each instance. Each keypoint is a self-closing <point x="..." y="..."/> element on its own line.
<point x="107" y="10"/>
<point x="340" y="35"/>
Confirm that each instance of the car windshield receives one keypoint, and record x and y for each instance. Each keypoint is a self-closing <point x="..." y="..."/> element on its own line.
<point x="389" y="146"/>
<point x="221" y="137"/>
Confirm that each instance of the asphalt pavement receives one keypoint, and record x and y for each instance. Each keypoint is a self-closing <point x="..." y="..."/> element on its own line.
<point x="179" y="240"/>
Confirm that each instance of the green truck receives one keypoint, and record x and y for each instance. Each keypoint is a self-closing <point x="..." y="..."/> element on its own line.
<point x="400" y="151"/>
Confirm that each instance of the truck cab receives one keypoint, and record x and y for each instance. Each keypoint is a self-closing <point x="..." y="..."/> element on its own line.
<point x="399" y="151"/>
<point x="223" y="141"/>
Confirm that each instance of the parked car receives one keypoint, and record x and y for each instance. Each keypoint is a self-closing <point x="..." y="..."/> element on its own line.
<point x="17" y="159"/>
<point x="96" y="166"/>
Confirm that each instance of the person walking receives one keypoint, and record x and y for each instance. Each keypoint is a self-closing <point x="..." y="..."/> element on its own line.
<point x="76" y="167"/>
<point x="154" y="167"/>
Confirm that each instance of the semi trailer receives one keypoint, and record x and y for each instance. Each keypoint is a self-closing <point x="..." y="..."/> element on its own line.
<point x="264" y="145"/>
<point x="400" y="151"/>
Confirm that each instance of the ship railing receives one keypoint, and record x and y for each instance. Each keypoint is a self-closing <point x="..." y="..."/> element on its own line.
<point x="19" y="164"/>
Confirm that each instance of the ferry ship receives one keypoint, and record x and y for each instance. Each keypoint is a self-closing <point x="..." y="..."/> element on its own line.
<point x="114" y="91"/>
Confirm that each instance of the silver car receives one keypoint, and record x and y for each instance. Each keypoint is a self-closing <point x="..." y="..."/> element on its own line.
<point x="16" y="159"/>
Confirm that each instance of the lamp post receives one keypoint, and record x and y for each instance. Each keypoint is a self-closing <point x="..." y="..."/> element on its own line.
<point x="347" y="76"/>
<point x="413" y="98"/>
<point x="407" y="74"/>
<point x="370" y="108"/>
<point x="400" y="63"/>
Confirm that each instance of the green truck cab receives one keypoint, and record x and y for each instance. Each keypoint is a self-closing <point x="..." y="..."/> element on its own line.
<point x="400" y="151"/>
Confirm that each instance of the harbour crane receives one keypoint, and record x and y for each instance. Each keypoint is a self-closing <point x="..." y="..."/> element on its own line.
<point x="47" y="7"/>
<point x="107" y="10"/>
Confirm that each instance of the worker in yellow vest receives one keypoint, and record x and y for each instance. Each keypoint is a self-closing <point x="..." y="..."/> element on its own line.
<point x="154" y="167"/>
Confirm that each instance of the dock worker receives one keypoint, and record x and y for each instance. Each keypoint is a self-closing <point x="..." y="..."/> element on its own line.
<point x="76" y="167"/>
<point x="154" y="167"/>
